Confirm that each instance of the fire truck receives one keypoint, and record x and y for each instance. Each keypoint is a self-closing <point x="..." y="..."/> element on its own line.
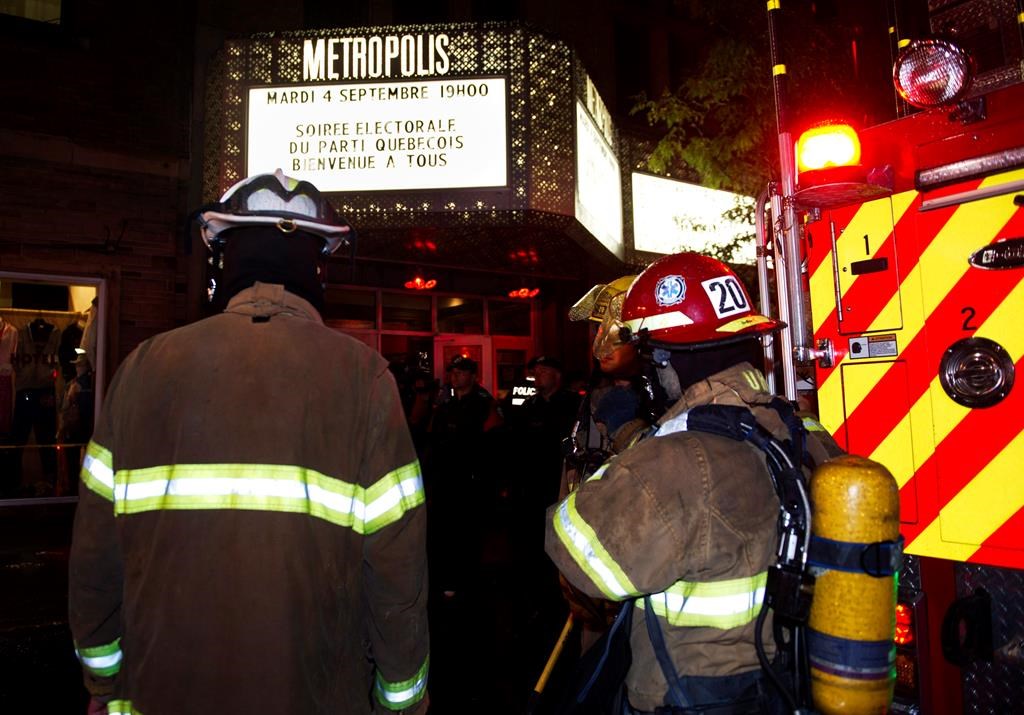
<point x="896" y="256"/>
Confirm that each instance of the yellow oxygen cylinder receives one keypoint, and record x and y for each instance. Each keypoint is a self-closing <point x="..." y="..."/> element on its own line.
<point x="854" y="551"/>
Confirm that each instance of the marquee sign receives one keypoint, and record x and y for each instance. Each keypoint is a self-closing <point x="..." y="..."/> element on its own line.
<point x="423" y="134"/>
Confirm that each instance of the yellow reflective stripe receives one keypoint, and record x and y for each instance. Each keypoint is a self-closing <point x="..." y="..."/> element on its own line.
<point x="778" y="69"/>
<point x="121" y="707"/>
<point x="397" y="492"/>
<point x="103" y="660"/>
<point x="812" y="425"/>
<point x="599" y="473"/>
<point x="98" y="470"/>
<point x="586" y="550"/>
<point x="270" y="487"/>
<point x="715" y="604"/>
<point x="405" y="693"/>
<point x="672" y="319"/>
<point x="773" y="5"/>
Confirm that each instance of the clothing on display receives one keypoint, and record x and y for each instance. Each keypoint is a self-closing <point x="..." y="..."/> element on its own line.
<point x="8" y="345"/>
<point x="33" y="383"/>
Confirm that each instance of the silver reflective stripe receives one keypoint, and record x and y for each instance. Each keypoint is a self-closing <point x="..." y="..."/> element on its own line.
<point x="679" y="423"/>
<point x="403" y="491"/>
<point x="583" y="545"/>
<point x="396" y="696"/>
<point x="717" y="604"/>
<point x="98" y="470"/>
<point x="599" y="473"/>
<point x="102" y="661"/>
<point x="270" y="487"/>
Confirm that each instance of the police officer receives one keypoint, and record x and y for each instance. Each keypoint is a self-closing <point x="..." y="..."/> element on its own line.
<point x="250" y="532"/>
<point x="460" y="477"/>
<point x="688" y="518"/>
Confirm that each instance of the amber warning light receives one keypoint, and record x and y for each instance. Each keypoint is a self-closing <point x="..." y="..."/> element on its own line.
<point x="827" y="146"/>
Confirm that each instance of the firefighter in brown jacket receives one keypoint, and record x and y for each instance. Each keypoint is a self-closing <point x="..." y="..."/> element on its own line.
<point x="250" y="536"/>
<point x="689" y="518"/>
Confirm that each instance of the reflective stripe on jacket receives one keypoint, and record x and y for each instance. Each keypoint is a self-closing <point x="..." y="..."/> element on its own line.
<point x="251" y="514"/>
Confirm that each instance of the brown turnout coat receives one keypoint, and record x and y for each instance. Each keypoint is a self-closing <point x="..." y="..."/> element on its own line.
<point x="250" y="533"/>
<point x="683" y="507"/>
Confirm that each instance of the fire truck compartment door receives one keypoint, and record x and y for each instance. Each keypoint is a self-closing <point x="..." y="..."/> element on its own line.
<point x="893" y="444"/>
<point x="864" y="263"/>
<point x="979" y="450"/>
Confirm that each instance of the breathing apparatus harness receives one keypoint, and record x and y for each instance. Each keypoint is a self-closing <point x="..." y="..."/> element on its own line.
<point x="790" y="583"/>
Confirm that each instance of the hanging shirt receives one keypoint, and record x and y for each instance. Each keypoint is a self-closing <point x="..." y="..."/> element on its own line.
<point x="36" y="361"/>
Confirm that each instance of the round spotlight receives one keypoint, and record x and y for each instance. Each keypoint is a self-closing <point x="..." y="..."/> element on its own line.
<point x="932" y="73"/>
<point x="976" y="372"/>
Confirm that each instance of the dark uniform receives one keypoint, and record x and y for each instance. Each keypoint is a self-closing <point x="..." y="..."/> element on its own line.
<point x="459" y="486"/>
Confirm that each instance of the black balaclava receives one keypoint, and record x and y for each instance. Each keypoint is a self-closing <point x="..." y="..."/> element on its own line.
<point x="692" y="366"/>
<point x="265" y="254"/>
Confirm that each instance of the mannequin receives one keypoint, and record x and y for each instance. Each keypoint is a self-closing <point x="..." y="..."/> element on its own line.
<point x="35" y="408"/>
<point x="8" y="346"/>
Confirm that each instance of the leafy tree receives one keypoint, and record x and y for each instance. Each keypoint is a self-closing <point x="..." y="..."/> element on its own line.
<point x="719" y="124"/>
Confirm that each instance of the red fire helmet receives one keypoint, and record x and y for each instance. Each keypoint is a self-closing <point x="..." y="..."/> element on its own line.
<point x="688" y="301"/>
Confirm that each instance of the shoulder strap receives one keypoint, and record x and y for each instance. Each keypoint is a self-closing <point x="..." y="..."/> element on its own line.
<point x="675" y="695"/>
<point x="787" y="579"/>
<point x="790" y="581"/>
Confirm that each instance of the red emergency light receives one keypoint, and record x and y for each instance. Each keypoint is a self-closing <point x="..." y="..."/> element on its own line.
<point x="524" y="293"/>
<point x="828" y="145"/>
<point x="904" y="625"/>
<point x="829" y="169"/>
<point x="420" y="283"/>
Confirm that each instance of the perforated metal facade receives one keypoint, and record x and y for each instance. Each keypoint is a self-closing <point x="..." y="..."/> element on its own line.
<point x="535" y="210"/>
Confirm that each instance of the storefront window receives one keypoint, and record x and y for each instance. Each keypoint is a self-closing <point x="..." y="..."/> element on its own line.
<point x="460" y="315"/>
<point x="347" y="309"/>
<point x="47" y="11"/>
<point x="509" y="317"/>
<point x="48" y="361"/>
<point x="406" y="312"/>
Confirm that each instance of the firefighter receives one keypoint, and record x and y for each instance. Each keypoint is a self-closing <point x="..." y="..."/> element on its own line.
<point x="688" y="518"/>
<point x="618" y="365"/>
<point x="608" y="420"/>
<point x="250" y="535"/>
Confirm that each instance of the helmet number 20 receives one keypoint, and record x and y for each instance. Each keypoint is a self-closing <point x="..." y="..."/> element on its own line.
<point x="726" y="296"/>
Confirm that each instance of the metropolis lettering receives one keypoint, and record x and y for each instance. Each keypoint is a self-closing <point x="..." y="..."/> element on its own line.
<point x="374" y="57"/>
<point x="398" y="135"/>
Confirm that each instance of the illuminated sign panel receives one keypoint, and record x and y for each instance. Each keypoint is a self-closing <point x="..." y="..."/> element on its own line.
<point x="424" y="134"/>
<point x="376" y="56"/>
<point x="671" y="216"/>
<point x="598" y="184"/>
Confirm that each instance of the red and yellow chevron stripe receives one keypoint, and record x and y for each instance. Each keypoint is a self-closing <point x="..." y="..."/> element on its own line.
<point x="959" y="469"/>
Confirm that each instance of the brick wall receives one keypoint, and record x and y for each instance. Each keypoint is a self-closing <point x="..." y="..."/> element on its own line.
<point x="94" y="158"/>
